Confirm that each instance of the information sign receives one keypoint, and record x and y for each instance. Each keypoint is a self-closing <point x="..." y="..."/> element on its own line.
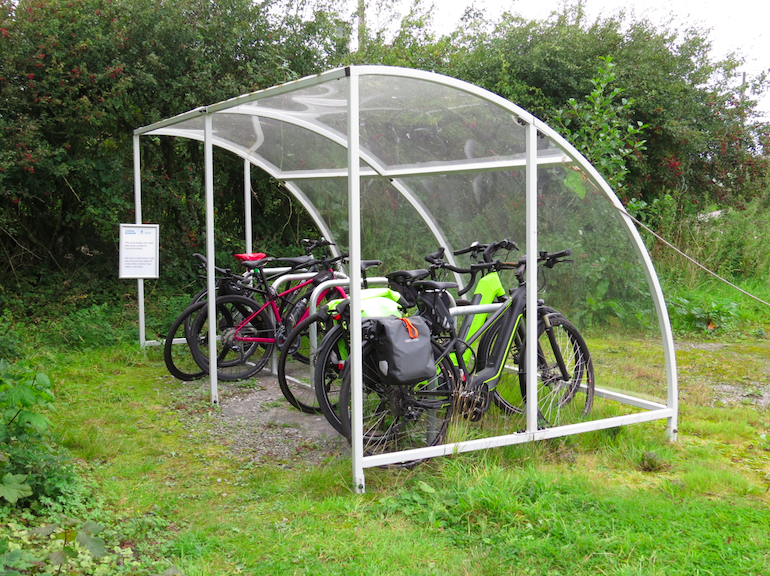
<point x="139" y="251"/>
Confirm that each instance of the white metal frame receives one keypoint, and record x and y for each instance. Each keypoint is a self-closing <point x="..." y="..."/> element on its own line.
<point x="354" y="173"/>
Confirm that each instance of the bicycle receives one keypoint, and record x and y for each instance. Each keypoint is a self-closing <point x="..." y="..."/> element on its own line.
<point x="333" y="351"/>
<point x="332" y="357"/>
<point x="247" y="330"/>
<point x="179" y="360"/>
<point x="399" y="417"/>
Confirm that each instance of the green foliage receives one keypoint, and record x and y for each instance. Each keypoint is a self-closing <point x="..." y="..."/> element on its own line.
<point x="58" y="545"/>
<point x="10" y="340"/>
<point x="88" y="327"/>
<point x="600" y="128"/>
<point x="533" y="514"/>
<point x="14" y="488"/>
<point x="703" y="317"/>
<point x="31" y="467"/>
<point x="85" y="535"/>
<point x="733" y="243"/>
<point x="78" y="78"/>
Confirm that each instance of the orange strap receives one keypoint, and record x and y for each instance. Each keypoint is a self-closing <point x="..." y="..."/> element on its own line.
<point x="411" y="330"/>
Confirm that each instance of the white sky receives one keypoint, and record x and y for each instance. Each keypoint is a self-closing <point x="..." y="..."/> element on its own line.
<point x="736" y="25"/>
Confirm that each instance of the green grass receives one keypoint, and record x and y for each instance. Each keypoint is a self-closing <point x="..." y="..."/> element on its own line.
<point x="620" y="501"/>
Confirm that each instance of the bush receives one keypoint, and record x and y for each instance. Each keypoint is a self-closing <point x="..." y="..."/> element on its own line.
<point x="90" y="327"/>
<point x="31" y="466"/>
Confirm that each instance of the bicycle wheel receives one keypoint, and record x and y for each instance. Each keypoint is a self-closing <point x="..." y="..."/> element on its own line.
<point x="199" y="297"/>
<point x="237" y="359"/>
<point x="176" y="349"/>
<point x="560" y="400"/>
<point x="294" y="374"/>
<point x="331" y="365"/>
<point x="399" y="417"/>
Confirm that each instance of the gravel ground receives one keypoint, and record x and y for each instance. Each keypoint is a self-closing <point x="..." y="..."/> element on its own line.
<point x="259" y="424"/>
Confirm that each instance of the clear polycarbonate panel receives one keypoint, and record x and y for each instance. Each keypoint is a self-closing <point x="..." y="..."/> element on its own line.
<point x="286" y="146"/>
<point x="190" y="128"/>
<point x="329" y="199"/>
<point x="405" y="123"/>
<point x="327" y="98"/>
<point x="483" y="207"/>
<point x="391" y="229"/>
<point x="323" y="105"/>
<point x="604" y="290"/>
<point x="409" y="122"/>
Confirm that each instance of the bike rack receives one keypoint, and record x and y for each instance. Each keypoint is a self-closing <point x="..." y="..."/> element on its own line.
<point x="313" y="308"/>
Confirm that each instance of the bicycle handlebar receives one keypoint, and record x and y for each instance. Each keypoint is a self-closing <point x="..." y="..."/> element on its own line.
<point x="437" y="257"/>
<point x="311" y="245"/>
<point x="474" y="249"/>
<point x="204" y="263"/>
<point x="504" y="244"/>
<point x="436" y="260"/>
<point x="324" y="263"/>
<point x="554" y="257"/>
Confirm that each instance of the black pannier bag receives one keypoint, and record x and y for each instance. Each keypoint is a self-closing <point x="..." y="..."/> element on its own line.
<point x="403" y="350"/>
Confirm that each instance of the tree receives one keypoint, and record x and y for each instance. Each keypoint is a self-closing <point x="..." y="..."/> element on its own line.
<point x="79" y="76"/>
<point x="601" y="128"/>
<point x="701" y="138"/>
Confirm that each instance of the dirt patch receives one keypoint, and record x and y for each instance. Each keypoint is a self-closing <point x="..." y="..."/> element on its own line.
<point x="757" y="395"/>
<point x="706" y="346"/>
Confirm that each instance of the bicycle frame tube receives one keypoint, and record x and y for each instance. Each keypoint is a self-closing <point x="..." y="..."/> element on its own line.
<point x="295" y="288"/>
<point x="514" y="312"/>
<point x="275" y="311"/>
<point x="249" y="318"/>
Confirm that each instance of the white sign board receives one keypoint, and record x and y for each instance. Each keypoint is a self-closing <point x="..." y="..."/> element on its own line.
<point x="139" y="250"/>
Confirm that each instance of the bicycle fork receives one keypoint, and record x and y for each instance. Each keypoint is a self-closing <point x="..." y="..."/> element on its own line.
<point x="555" y="348"/>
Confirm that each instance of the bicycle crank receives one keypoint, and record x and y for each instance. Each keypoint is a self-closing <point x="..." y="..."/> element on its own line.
<point x="474" y="402"/>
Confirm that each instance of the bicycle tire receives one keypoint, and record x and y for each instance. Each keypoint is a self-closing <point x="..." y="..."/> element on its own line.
<point x="559" y="402"/>
<point x="294" y="374"/>
<point x="399" y="417"/>
<point x="178" y="356"/>
<point x="331" y="364"/>
<point x="236" y="360"/>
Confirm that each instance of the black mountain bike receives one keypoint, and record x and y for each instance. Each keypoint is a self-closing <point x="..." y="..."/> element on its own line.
<point x="400" y="417"/>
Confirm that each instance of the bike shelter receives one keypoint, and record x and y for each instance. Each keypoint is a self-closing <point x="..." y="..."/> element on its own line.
<point x="391" y="163"/>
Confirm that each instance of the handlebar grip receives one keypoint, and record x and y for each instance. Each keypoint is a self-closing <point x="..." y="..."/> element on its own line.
<point x="438" y="254"/>
<point x="473" y="247"/>
<point x="560" y="254"/>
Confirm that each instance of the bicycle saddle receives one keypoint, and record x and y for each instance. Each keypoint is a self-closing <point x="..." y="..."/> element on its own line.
<point x="433" y="285"/>
<point x="251" y="257"/>
<point x="295" y="260"/>
<point x="254" y="264"/>
<point x="366" y="264"/>
<point x="401" y="276"/>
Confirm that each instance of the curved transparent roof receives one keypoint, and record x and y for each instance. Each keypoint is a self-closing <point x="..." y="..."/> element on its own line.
<point x="445" y="163"/>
